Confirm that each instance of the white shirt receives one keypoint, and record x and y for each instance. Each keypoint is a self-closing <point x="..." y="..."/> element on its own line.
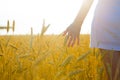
<point x="105" y="32"/>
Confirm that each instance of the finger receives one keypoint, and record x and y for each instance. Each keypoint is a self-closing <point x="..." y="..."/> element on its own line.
<point x="66" y="39"/>
<point x="70" y="41"/>
<point x="65" y="32"/>
<point x="73" y="42"/>
<point x="78" y="40"/>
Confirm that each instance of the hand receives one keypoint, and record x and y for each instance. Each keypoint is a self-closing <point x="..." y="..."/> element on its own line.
<point x="72" y="34"/>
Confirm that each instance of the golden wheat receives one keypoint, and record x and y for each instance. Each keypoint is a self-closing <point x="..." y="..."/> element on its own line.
<point x="47" y="58"/>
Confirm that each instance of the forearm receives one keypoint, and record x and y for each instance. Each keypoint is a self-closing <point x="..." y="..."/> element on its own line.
<point x="83" y="12"/>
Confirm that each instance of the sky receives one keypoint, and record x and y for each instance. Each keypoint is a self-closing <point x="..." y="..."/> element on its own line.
<point x="30" y="13"/>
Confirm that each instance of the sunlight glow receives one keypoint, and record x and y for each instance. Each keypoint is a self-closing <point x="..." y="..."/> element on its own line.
<point x="30" y="13"/>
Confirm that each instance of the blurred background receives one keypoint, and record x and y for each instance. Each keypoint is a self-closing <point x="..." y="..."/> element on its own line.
<point x="30" y="13"/>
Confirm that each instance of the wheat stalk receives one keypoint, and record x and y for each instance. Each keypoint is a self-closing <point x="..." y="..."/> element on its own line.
<point x="67" y="61"/>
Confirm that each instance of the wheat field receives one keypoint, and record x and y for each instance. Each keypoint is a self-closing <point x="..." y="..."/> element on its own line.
<point x="26" y="57"/>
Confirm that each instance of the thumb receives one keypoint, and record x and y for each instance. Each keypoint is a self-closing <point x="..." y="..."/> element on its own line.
<point x="65" y="32"/>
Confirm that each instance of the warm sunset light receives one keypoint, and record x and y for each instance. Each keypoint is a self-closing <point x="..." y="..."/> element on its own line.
<point x="59" y="40"/>
<point x="30" y="13"/>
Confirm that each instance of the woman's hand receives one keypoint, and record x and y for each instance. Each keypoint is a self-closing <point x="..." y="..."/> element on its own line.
<point x="72" y="35"/>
